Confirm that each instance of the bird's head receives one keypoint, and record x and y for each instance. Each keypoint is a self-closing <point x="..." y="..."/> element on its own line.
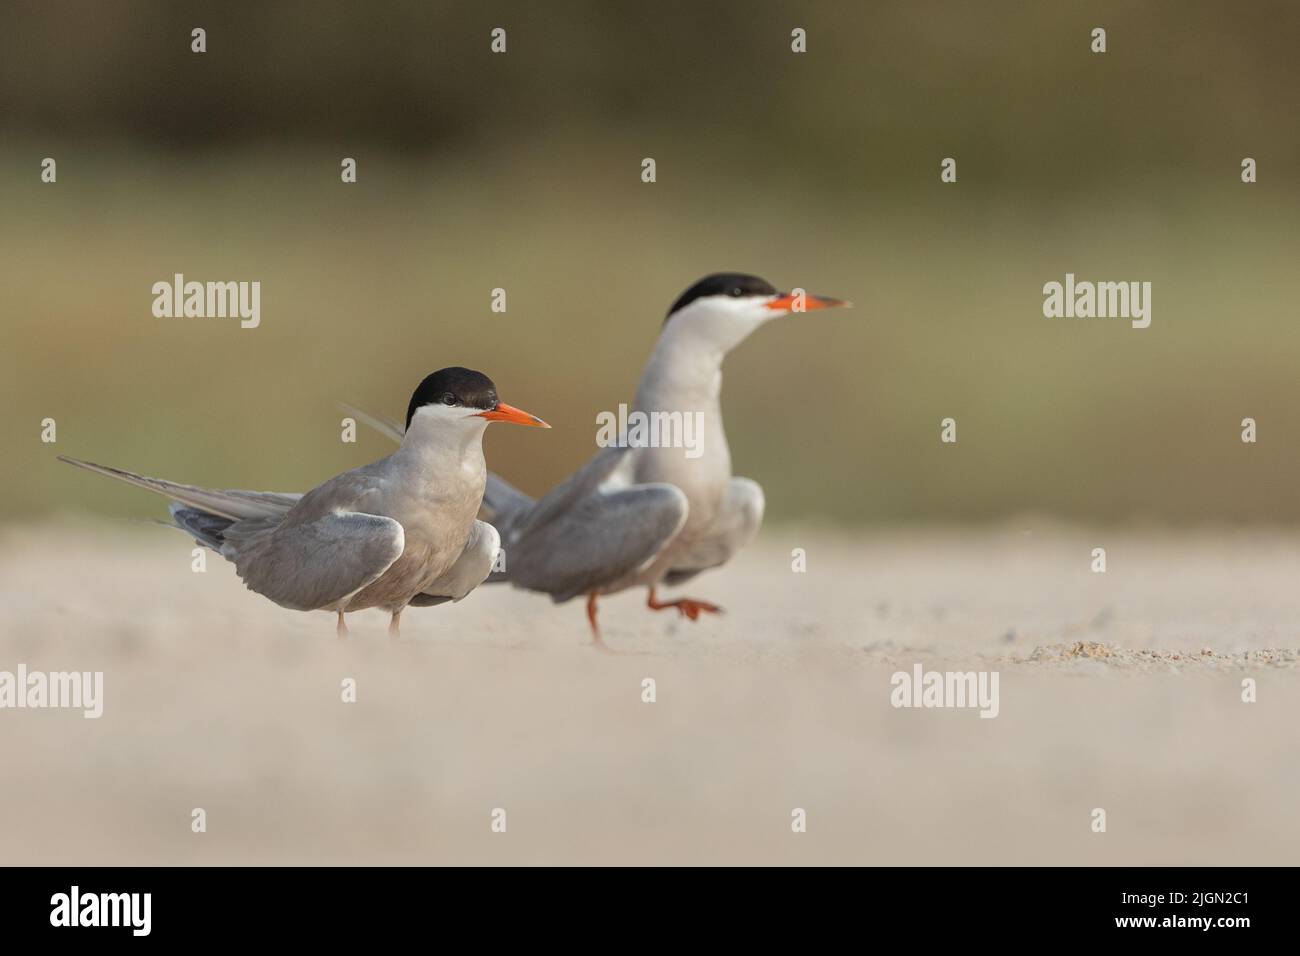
<point x="724" y="308"/>
<point x="462" y="398"/>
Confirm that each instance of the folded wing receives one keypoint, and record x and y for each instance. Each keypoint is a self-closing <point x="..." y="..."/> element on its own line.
<point x="736" y="524"/>
<point x="596" y="539"/>
<point x="469" y="571"/>
<point x="313" y="564"/>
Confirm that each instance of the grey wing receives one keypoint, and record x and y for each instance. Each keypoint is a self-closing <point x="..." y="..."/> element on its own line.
<point x="736" y="525"/>
<point x="314" y="564"/>
<point x="597" y="540"/>
<point x="470" y="570"/>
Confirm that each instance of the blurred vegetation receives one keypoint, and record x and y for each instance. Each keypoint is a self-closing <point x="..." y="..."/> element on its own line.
<point x="522" y="171"/>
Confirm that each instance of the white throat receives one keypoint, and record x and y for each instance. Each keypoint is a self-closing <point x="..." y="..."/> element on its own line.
<point x="440" y="435"/>
<point x="685" y="370"/>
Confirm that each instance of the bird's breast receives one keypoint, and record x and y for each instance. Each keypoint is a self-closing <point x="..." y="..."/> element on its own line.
<point x="703" y="480"/>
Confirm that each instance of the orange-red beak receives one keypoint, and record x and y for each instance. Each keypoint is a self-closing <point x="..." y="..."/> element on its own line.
<point x="508" y="413"/>
<point x="790" y="302"/>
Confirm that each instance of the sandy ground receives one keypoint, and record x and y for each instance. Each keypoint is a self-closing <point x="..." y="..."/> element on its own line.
<point x="1120" y="691"/>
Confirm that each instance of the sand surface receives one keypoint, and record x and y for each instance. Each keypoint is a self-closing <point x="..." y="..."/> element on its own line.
<point x="1119" y="691"/>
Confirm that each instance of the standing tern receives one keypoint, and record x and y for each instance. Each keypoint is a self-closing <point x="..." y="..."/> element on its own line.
<point x="399" y="531"/>
<point x="643" y="515"/>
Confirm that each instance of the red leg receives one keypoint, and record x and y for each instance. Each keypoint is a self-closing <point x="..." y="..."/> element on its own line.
<point x="688" y="607"/>
<point x="591" y="616"/>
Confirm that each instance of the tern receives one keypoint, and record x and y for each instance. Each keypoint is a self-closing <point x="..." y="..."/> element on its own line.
<point x="642" y="515"/>
<point x="396" y="532"/>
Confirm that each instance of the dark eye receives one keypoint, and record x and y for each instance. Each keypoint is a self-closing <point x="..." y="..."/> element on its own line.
<point x="448" y="398"/>
<point x="737" y="292"/>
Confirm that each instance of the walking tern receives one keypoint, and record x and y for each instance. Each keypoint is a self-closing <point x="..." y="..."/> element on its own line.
<point x="396" y="532"/>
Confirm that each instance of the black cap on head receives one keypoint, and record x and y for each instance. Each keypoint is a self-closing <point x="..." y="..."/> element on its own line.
<point x="734" y="284"/>
<point x="454" y="387"/>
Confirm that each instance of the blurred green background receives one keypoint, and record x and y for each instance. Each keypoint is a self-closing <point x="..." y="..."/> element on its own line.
<point x="818" y="170"/>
